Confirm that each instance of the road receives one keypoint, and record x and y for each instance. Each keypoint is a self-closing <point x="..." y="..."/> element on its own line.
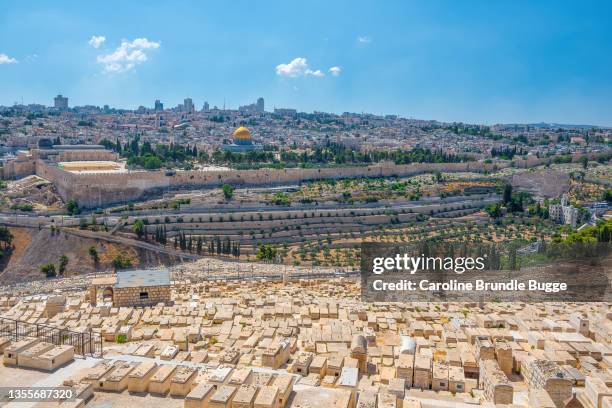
<point x="130" y="242"/>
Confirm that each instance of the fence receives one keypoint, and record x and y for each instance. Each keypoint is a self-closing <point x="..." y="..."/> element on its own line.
<point x="84" y="343"/>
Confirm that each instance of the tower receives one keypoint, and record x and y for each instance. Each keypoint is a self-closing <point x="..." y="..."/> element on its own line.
<point x="60" y="102"/>
<point x="188" y="105"/>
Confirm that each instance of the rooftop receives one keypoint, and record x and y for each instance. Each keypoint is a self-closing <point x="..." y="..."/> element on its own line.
<point x="143" y="277"/>
<point x="78" y="147"/>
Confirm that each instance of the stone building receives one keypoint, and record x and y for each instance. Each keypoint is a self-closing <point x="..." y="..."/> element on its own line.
<point x="25" y="163"/>
<point x="142" y="287"/>
<point x="103" y="285"/>
<point x="563" y="213"/>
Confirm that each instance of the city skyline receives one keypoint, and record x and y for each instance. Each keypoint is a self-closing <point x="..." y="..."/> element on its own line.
<point x="515" y="63"/>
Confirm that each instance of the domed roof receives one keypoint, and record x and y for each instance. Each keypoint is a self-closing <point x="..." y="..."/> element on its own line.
<point x="242" y="133"/>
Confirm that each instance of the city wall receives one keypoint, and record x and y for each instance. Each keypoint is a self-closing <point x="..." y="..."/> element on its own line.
<point x="15" y="169"/>
<point x="101" y="189"/>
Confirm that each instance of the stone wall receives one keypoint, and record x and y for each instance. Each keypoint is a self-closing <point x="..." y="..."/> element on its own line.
<point x="15" y="169"/>
<point x="131" y="296"/>
<point x="101" y="189"/>
<point x="75" y="155"/>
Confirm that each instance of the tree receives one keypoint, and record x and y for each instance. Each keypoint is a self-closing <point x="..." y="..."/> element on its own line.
<point x="6" y="238"/>
<point x="494" y="210"/>
<point x="139" y="228"/>
<point x="93" y="253"/>
<point x="228" y="191"/>
<point x="63" y="262"/>
<point x="152" y="162"/>
<point x="266" y="252"/>
<point x="281" y="199"/>
<point x="507" y="193"/>
<point x="48" y="270"/>
<point x="584" y="161"/>
<point x="72" y="207"/>
<point x="121" y="262"/>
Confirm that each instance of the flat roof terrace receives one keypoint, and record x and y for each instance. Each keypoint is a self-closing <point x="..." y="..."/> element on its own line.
<point x="85" y="167"/>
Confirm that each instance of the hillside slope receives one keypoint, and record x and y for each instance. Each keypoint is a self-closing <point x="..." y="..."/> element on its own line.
<point x="33" y="248"/>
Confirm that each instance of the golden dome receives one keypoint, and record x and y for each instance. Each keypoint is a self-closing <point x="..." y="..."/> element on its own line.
<point x="242" y="133"/>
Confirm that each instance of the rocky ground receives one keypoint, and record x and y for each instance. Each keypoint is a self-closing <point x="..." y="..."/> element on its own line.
<point x="33" y="248"/>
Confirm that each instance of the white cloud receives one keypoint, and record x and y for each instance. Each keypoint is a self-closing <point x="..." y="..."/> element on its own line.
<point x="296" y="68"/>
<point x="315" y="73"/>
<point x="335" y="71"/>
<point x="5" y="59"/>
<point x="127" y="55"/>
<point x="97" y="40"/>
<point x="362" y="39"/>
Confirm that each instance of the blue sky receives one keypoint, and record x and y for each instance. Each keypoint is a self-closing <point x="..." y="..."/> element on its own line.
<point x="471" y="61"/>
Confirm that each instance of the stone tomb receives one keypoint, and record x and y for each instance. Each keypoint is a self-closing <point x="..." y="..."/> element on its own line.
<point x="160" y="381"/>
<point x="139" y="378"/>
<point x="200" y="396"/>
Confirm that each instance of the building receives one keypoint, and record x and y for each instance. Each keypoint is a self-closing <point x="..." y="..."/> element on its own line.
<point x="563" y="213"/>
<point x="24" y="163"/>
<point x="242" y="142"/>
<point x="285" y="111"/>
<point x="599" y="208"/>
<point x="60" y="102"/>
<point x="142" y="287"/>
<point x="257" y="107"/>
<point x="206" y="107"/>
<point x="188" y="105"/>
<point x="158" y="105"/>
